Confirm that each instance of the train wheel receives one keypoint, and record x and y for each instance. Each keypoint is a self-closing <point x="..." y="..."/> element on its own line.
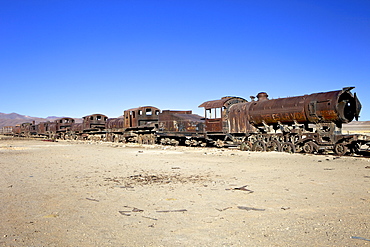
<point x="355" y="148"/>
<point x="246" y="146"/>
<point x="259" y="146"/>
<point x="140" y="139"/>
<point x="274" y="145"/>
<point x="202" y="144"/>
<point x="288" y="147"/>
<point x="219" y="143"/>
<point x="174" y="142"/>
<point x="308" y="147"/>
<point x="340" y="149"/>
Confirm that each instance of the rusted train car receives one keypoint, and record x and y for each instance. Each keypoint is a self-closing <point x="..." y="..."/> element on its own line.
<point x="181" y="127"/>
<point x="309" y="123"/>
<point x="136" y="125"/>
<point x="148" y="125"/>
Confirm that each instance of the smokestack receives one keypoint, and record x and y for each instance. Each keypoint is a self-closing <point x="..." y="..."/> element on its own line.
<point x="262" y="96"/>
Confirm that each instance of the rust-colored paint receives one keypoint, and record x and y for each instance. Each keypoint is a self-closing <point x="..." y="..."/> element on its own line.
<point x="64" y="124"/>
<point x="140" y="116"/>
<point x="219" y="124"/>
<point x="180" y="121"/>
<point x="94" y="121"/>
<point x="336" y="106"/>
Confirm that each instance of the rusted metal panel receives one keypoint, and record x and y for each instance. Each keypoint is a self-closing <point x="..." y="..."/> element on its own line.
<point x="335" y="106"/>
<point x="52" y="127"/>
<point x="224" y="101"/>
<point x="181" y="121"/>
<point x="43" y="128"/>
<point x="17" y="130"/>
<point x="76" y="127"/>
<point x="238" y="119"/>
<point x="141" y="116"/>
<point x="26" y="127"/>
<point x="64" y="124"/>
<point x="284" y="110"/>
<point x="216" y="112"/>
<point x="94" y="121"/>
<point x="115" y="123"/>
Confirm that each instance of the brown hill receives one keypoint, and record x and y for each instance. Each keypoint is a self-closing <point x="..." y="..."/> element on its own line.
<point x="12" y="119"/>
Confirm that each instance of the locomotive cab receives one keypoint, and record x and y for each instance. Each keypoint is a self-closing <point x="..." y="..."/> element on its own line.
<point x="216" y="113"/>
<point x="94" y="122"/>
<point x="141" y="116"/>
<point x="64" y="124"/>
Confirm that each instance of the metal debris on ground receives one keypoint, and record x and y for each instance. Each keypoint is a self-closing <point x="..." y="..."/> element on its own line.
<point x="223" y="209"/>
<point x="251" y="208"/>
<point x="137" y="210"/>
<point x="244" y="189"/>
<point x="90" y="199"/>
<point x="125" y="213"/>
<point x="171" y="211"/>
<point x="361" y="238"/>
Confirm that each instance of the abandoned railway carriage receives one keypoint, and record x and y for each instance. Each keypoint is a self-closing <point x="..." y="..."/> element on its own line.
<point x="181" y="127"/>
<point x="308" y="123"/>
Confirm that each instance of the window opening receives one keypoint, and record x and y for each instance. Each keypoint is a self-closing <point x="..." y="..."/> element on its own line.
<point x="213" y="113"/>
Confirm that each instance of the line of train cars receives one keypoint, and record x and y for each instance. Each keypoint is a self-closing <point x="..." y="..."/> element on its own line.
<point x="309" y="123"/>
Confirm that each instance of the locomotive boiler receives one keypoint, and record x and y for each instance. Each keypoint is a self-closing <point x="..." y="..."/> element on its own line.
<point x="306" y="123"/>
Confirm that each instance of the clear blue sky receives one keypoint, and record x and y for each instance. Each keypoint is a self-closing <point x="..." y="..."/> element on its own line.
<point x="74" y="58"/>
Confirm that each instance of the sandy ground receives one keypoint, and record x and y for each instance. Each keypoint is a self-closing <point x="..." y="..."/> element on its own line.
<point x="79" y="194"/>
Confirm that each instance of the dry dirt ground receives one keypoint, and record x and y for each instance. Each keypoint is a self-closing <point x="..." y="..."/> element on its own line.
<point x="80" y="194"/>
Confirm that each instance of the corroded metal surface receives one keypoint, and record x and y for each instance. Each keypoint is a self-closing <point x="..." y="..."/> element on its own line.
<point x="115" y="123"/>
<point x="216" y="112"/>
<point x="308" y="123"/>
<point x="336" y="106"/>
<point x="140" y="116"/>
<point x="94" y="121"/>
<point x="180" y="121"/>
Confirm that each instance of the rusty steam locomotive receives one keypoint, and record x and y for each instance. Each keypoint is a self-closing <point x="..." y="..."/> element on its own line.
<point x="309" y="123"/>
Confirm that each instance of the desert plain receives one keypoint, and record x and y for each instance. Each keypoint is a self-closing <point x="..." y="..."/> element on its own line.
<point x="70" y="193"/>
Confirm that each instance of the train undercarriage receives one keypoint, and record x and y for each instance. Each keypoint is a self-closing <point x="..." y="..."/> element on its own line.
<point x="298" y="141"/>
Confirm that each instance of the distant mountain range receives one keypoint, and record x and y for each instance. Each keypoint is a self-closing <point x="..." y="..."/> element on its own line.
<point x="12" y="119"/>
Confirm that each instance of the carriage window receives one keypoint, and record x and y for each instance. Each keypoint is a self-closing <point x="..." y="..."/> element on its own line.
<point x="91" y="118"/>
<point x="140" y="112"/>
<point x="132" y="113"/>
<point x="157" y="112"/>
<point x="98" y="117"/>
<point x="148" y="112"/>
<point x="213" y="113"/>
